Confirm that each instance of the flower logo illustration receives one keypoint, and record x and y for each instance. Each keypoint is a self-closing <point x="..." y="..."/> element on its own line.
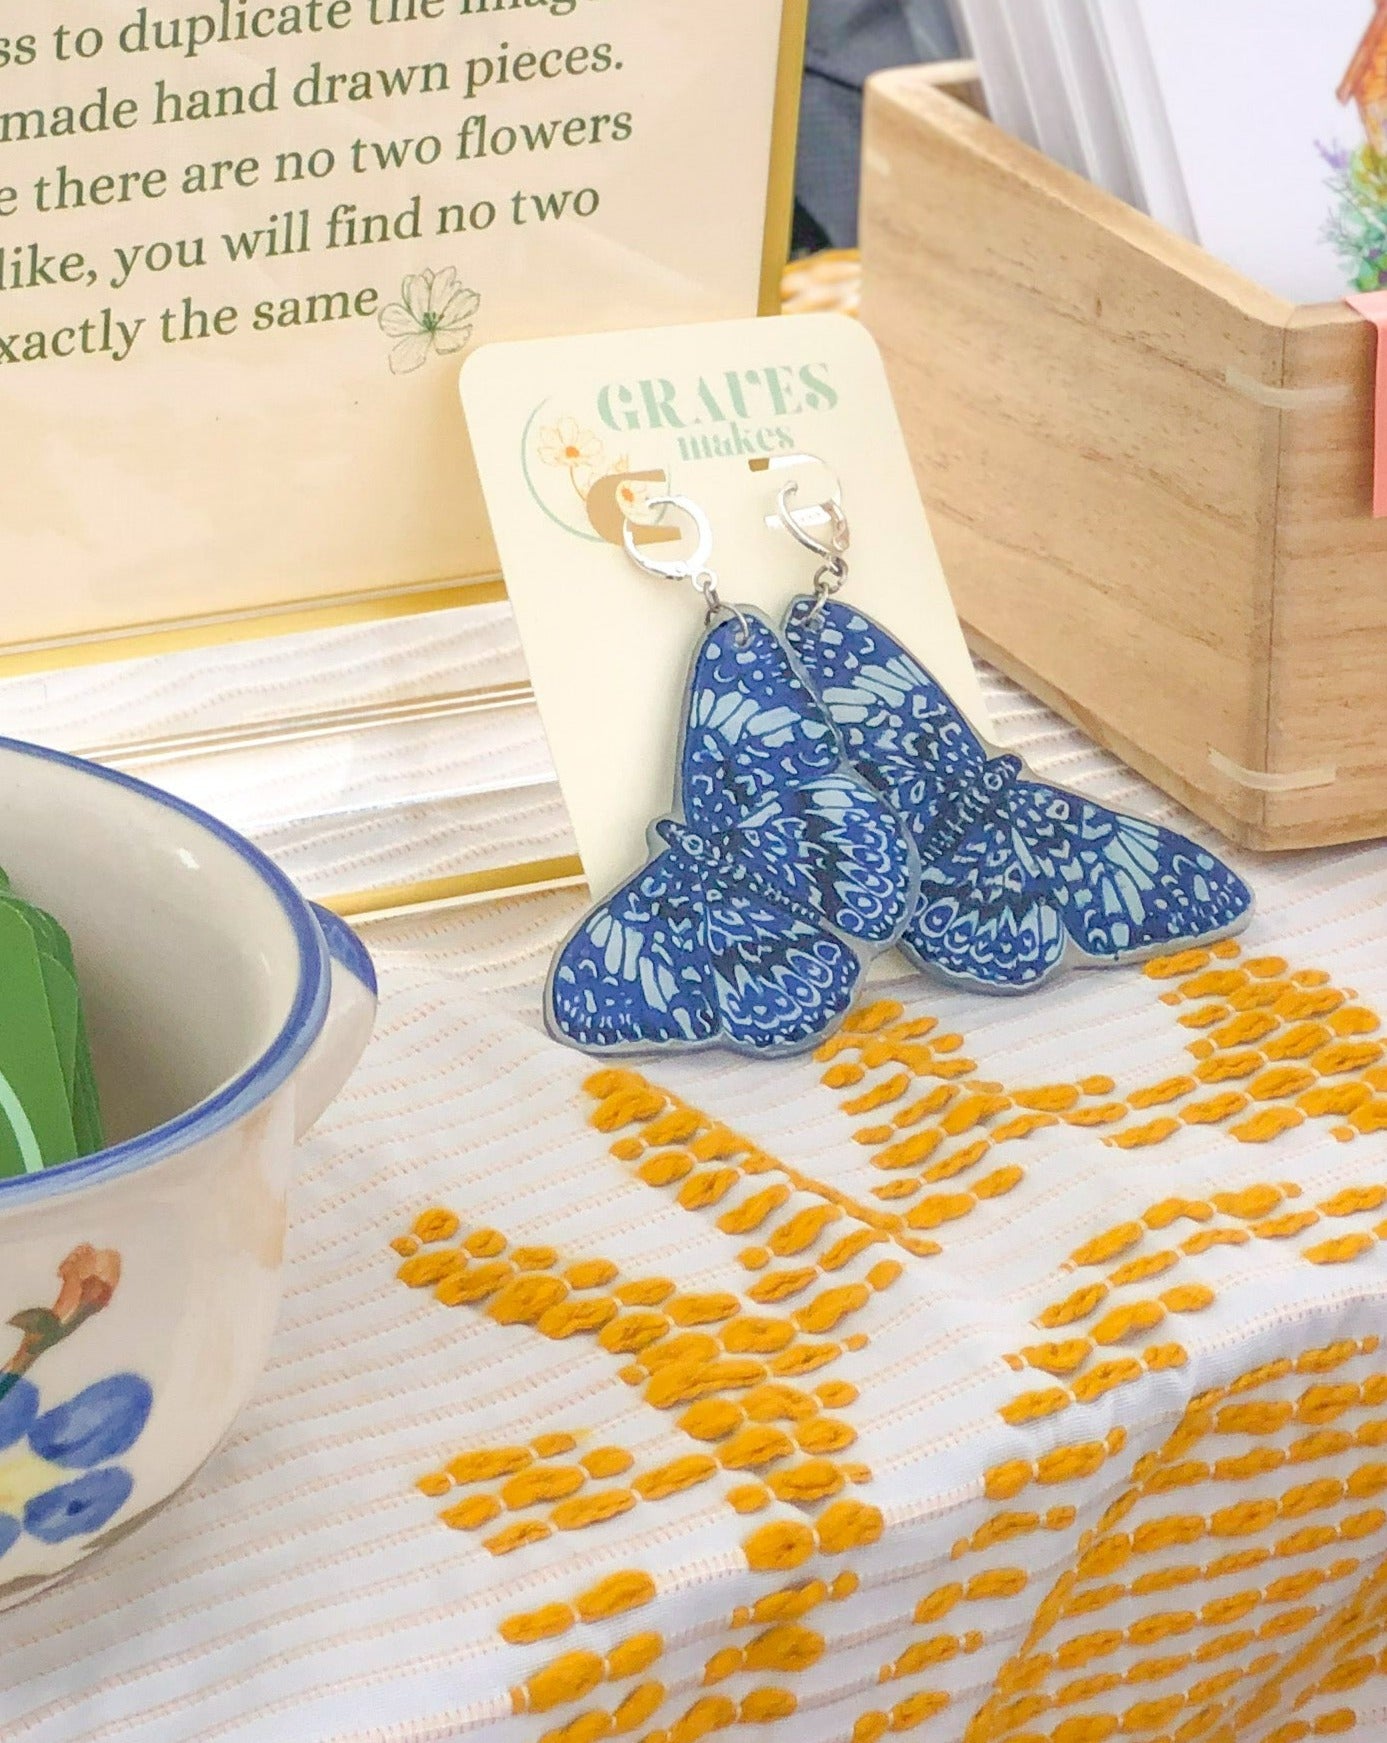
<point x="579" y="451"/>
<point x="435" y="314"/>
<point x="565" y="461"/>
<point x="634" y="496"/>
<point x="59" y="1478"/>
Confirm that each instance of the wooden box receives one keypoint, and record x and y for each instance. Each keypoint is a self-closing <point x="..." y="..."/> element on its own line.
<point x="1150" y="479"/>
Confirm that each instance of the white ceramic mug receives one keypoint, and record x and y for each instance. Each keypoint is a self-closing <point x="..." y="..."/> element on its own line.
<point x="139" y="1287"/>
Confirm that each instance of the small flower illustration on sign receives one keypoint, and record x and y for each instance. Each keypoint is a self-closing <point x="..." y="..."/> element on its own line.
<point x="588" y="483"/>
<point x="574" y="450"/>
<point x="566" y="444"/>
<point x="634" y="495"/>
<point x="435" y="314"/>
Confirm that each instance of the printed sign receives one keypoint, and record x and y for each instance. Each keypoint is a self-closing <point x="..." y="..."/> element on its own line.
<point x="243" y="247"/>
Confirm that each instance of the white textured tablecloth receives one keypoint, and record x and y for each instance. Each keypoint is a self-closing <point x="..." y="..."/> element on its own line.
<point x="1009" y="1372"/>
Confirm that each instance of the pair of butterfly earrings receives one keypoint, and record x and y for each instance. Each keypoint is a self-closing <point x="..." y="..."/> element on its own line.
<point x="832" y="803"/>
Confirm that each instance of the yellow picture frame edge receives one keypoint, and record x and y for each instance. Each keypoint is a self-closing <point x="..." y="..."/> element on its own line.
<point x="780" y="194"/>
<point x="535" y="877"/>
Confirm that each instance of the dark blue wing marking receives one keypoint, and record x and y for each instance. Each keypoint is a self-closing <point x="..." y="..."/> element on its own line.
<point x="781" y="982"/>
<point x="754" y="924"/>
<point x="985" y="915"/>
<point x="1126" y="886"/>
<point x="666" y="961"/>
<point x="1049" y="866"/>
<point x="763" y="767"/>
<point x="637" y="972"/>
<point x="899" y="729"/>
<point x="1013" y="871"/>
<point x="835" y="849"/>
<point x="755" y="730"/>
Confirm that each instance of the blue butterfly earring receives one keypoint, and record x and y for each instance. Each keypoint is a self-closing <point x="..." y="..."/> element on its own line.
<point x="775" y="879"/>
<point x="1017" y="877"/>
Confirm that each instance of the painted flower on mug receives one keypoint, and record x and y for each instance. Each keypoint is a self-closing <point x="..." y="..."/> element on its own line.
<point x="435" y="314"/>
<point x="89" y="1281"/>
<point x="60" y="1475"/>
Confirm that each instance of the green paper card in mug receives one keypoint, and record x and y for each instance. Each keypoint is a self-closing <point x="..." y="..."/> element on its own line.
<point x="55" y="962"/>
<point x="242" y="249"/>
<point x="36" y="1127"/>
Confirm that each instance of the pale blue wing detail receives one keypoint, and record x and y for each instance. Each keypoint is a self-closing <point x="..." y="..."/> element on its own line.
<point x="1049" y="867"/>
<point x="666" y="962"/>
<point x="1013" y="871"/>
<point x="755" y="729"/>
<point x="782" y="874"/>
<point x="834" y="848"/>
<point x="637" y="972"/>
<point x="985" y="916"/>
<point x="899" y="729"/>
<point x="762" y="767"/>
<point x="781" y="982"/>
<point x="1127" y="887"/>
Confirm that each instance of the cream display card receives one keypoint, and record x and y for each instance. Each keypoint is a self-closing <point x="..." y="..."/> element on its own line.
<point x="243" y="246"/>
<point x="574" y="436"/>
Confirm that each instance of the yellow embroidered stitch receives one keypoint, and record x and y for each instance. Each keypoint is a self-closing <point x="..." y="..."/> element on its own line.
<point x="695" y="1377"/>
<point x="472" y="1514"/>
<point x="588" y="1510"/>
<point x="543" y="1624"/>
<point x="615" y="1595"/>
<point x="517" y="1537"/>
<point x="435" y="1225"/>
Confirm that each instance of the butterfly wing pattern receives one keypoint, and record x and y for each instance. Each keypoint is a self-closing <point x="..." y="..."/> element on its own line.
<point x="1017" y="876"/>
<point x="765" y="897"/>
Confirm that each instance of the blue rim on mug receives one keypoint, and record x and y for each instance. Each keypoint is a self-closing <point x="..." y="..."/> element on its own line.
<point x="302" y="1027"/>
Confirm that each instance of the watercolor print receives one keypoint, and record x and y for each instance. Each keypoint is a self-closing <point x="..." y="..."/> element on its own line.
<point x="1357" y="228"/>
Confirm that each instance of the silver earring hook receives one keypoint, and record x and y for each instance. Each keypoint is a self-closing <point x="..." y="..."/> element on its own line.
<point x="695" y="568"/>
<point x="832" y="573"/>
<point x="679" y="568"/>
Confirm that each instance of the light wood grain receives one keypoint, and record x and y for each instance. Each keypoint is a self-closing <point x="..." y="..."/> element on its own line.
<point x="1143" y="513"/>
<point x="1329" y="664"/>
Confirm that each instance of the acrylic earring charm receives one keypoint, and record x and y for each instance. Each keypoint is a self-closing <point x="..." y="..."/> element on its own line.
<point x="1018" y="877"/>
<point x="775" y="879"/>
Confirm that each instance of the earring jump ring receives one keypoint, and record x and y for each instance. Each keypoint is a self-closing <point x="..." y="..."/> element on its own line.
<point x="840" y="537"/>
<point x="695" y="569"/>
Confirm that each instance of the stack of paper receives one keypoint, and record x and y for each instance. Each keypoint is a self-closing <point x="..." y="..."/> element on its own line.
<point x="1255" y="127"/>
